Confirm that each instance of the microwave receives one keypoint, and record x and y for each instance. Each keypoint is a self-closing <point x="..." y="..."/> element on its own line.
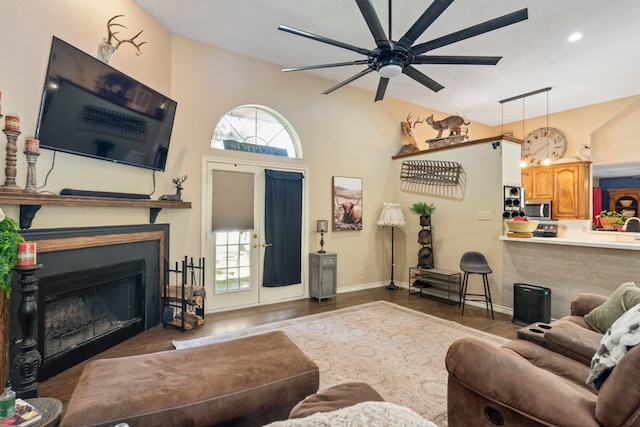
<point x="538" y="209"/>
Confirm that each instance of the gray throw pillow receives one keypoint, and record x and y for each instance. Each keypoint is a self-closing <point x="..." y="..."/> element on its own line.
<point x="601" y="318"/>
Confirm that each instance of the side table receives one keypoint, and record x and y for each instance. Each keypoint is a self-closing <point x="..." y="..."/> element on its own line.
<point x="50" y="408"/>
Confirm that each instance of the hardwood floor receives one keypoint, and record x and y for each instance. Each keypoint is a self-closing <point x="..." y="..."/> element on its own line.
<point x="158" y="338"/>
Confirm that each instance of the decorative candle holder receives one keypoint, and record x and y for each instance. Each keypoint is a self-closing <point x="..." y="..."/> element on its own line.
<point x="31" y="186"/>
<point x="11" y="161"/>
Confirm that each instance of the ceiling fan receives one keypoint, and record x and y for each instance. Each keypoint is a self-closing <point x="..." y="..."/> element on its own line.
<point x="391" y="58"/>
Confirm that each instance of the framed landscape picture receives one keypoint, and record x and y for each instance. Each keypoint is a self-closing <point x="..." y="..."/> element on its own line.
<point x="347" y="203"/>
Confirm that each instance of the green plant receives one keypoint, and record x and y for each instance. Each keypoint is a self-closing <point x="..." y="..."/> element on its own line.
<point x="422" y="208"/>
<point x="9" y="239"/>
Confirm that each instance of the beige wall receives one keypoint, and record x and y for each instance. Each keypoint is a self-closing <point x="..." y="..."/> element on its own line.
<point x="343" y="134"/>
<point x="609" y="128"/>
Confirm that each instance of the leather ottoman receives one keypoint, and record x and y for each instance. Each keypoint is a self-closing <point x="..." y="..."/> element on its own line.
<point x="248" y="381"/>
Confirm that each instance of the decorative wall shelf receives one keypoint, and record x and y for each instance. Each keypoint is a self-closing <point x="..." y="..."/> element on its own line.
<point x="31" y="203"/>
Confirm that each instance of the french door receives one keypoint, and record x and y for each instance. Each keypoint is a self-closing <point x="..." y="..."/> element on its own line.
<point x="233" y="238"/>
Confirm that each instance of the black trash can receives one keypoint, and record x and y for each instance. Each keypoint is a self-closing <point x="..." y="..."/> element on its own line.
<point x="531" y="304"/>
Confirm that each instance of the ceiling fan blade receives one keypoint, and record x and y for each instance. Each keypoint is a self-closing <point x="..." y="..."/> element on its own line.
<point x="324" y="39"/>
<point x="473" y="31"/>
<point x="372" y="20"/>
<point x="336" y="64"/>
<point x="382" y="87"/>
<point x="463" y="60"/>
<point x="431" y="14"/>
<point x="346" y="82"/>
<point x="422" y="79"/>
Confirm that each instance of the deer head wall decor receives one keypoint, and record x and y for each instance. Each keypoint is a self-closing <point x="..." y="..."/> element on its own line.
<point x="106" y="48"/>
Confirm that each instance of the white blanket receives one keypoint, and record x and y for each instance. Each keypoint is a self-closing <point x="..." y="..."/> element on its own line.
<point x="623" y="334"/>
<point x="366" y="414"/>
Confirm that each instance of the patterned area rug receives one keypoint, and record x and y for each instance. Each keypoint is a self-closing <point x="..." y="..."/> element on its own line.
<point x="398" y="351"/>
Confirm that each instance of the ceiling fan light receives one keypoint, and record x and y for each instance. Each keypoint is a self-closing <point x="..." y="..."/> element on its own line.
<point x="390" y="70"/>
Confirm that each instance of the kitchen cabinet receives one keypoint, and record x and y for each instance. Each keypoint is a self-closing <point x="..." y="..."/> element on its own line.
<point x="537" y="182"/>
<point x="322" y="275"/>
<point x="624" y="199"/>
<point x="565" y="184"/>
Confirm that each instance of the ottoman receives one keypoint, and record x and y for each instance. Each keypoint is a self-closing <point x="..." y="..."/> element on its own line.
<point x="248" y="381"/>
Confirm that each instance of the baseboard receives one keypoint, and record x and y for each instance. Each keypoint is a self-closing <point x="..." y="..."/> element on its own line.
<point x="353" y="288"/>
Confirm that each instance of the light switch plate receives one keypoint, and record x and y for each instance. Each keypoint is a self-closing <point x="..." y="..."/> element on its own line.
<point x="484" y="215"/>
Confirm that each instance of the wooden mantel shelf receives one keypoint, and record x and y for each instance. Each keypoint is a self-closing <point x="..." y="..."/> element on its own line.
<point x="31" y="203"/>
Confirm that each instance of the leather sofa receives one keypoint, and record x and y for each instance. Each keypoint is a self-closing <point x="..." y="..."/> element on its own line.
<point x="539" y="378"/>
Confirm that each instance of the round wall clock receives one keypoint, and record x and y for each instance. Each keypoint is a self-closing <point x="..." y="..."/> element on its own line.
<point x="541" y="143"/>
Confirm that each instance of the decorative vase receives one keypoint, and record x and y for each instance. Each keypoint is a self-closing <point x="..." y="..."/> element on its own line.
<point x="425" y="221"/>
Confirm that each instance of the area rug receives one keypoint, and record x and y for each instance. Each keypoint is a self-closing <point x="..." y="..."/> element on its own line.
<point x="398" y="351"/>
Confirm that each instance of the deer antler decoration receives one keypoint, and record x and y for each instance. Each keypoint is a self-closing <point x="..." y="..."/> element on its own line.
<point x="106" y="48"/>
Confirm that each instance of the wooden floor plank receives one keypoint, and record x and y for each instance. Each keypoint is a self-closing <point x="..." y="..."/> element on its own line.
<point x="158" y="338"/>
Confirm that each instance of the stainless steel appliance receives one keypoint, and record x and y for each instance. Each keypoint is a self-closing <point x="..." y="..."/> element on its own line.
<point x="546" y="229"/>
<point x="538" y="209"/>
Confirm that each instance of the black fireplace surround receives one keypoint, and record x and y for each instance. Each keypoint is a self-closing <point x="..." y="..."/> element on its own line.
<point x="96" y="289"/>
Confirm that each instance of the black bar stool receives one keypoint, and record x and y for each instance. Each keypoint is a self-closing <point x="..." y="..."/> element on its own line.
<point x="475" y="263"/>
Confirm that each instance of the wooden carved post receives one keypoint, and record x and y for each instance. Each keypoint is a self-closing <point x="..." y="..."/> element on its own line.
<point x="29" y="359"/>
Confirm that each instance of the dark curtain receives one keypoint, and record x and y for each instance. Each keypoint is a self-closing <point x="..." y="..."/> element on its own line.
<point x="283" y="228"/>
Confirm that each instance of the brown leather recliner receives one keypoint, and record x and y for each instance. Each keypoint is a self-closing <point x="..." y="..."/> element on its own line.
<point x="542" y="381"/>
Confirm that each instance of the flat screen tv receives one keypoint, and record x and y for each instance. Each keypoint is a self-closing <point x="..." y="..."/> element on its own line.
<point x="91" y="109"/>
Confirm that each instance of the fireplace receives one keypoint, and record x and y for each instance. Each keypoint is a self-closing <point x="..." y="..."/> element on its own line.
<point x="98" y="287"/>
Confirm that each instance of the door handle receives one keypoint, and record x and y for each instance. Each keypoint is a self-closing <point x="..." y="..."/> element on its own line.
<point x="266" y="245"/>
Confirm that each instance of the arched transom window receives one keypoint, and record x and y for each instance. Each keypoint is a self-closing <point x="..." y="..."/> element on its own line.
<point x="256" y="129"/>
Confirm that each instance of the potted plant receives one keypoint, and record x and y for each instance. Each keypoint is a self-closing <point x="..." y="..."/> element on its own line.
<point x="610" y="220"/>
<point x="9" y="238"/>
<point x="424" y="210"/>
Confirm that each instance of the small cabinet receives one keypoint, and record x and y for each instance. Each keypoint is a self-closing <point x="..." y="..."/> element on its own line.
<point x="624" y="200"/>
<point x="322" y="275"/>
<point x="537" y="182"/>
<point x="571" y="191"/>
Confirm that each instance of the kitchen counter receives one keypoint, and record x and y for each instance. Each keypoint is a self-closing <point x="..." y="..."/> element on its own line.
<point x="577" y="242"/>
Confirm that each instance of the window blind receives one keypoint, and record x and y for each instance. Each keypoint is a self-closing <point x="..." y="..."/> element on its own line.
<point x="232" y="201"/>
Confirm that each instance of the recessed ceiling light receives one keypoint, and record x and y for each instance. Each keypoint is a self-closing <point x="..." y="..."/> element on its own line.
<point x="575" y="37"/>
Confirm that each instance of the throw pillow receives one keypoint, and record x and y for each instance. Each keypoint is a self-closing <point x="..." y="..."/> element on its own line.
<point x="601" y="318"/>
<point x="623" y="335"/>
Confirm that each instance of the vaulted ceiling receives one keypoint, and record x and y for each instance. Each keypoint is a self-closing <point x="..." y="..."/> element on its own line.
<point x="603" y="65"/>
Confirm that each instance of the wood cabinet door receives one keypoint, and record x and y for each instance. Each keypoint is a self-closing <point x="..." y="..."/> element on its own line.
<point x="542" y="183"/>
<point x="537" y="182"/>
<point x="570" y="198"/>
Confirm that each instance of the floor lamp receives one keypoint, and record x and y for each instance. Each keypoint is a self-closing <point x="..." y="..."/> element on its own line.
<point x="391" y="216"/>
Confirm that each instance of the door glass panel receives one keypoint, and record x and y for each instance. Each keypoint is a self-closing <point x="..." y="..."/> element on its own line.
<point x="233" y="261"/>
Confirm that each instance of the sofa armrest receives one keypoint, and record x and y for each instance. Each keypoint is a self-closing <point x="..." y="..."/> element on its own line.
<point x="585" y="302"/>
<point x="511" y="382"/>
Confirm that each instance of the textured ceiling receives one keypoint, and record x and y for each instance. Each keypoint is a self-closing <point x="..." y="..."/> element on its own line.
<point x="603" y="65"/>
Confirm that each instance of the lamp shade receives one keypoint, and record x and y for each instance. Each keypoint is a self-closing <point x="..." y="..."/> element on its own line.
<point x="322" y="225"/>
<point x="391" y="216"/>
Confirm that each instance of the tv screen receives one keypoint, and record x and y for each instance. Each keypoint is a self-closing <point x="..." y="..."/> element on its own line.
<point x="91" y="109"/>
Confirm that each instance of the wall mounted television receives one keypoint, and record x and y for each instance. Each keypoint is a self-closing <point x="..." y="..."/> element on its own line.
<point x="91" y="109"/>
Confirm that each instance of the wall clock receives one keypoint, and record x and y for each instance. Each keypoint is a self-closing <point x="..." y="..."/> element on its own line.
<point x="534" y="147"/>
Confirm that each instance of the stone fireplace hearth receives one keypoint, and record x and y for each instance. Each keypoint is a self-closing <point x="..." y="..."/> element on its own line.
<point x="98" y="287"/>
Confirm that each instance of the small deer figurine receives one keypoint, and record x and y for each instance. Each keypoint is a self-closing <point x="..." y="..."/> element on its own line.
<point x="106" y="48"/>
<point x="178" y="196"/>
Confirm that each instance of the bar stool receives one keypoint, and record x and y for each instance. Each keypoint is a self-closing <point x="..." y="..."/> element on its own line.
<point x="475" y="263"/>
